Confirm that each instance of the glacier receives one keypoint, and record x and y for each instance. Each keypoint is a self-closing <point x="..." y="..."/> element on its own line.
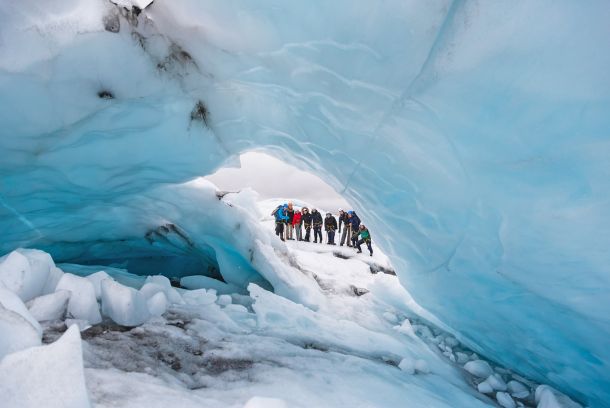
<point x="472" y="136"/>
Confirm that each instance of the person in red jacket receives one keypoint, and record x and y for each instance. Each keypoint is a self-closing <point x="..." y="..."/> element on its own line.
<point x="297" y="222"/>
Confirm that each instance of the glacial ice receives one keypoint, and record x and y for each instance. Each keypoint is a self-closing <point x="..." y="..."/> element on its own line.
<point x="49" y="307"/>
<point x="18" y="329"/>
<point x="83" y="303"/>
<point x="45" y="376"/>
<point x="124" y="305"/>
<point x="477" y="130"/>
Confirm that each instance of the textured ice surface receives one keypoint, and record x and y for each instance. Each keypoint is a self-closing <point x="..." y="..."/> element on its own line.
<point x="471" y="135"/>
<point x="45" y="376"/>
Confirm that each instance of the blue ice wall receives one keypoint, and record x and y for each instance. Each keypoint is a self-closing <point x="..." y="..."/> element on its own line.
<point x="473" y="137"/>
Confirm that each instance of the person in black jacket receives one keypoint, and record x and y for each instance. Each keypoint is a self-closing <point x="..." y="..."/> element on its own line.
<point x="347" y="229"/>
<point x="317" y="225"/>
<point x="330" y="225"/>
<point x="307" y="222"/>
<point x="354" y="222"/>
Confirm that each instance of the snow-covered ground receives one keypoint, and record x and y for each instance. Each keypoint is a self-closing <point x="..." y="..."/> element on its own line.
<point x="152" y="345"/>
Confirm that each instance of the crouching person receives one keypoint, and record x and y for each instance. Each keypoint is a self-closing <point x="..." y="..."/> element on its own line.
<point x="365" y="237"/>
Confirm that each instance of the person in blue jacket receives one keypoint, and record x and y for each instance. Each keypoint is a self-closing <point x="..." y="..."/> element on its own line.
<point x="354" y="222"/>
<point x="281" y="218"/>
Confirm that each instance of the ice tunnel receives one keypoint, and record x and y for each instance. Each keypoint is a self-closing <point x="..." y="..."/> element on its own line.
<point x="473" y="136"/>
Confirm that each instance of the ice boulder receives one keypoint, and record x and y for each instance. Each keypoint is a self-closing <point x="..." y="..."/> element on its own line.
<point x="45" y="376"/>
<point x="548" y="397"/>
<point x="422" y="366"/>
<point x="25" y="272"/>
<point x="407" y="365"/>
<point x="96" y="279"/>
<point x="517" y="390"/>
<point x="157" y="304"/>
<point x="264" y="402"/>
<point x="49" y="307"/>
<point x="199" y="297"/>
<point x="485" y="387"/>
<point x="83" y="303"/>
<point x="171" y="293"/>
<point x="124" y="305"/>
<point x="505" y="400"/>
<point x="479" y="368"/>
<point x="496" y="381"/>
<point x="224" y="300"/>
<point x="18" y="329"/>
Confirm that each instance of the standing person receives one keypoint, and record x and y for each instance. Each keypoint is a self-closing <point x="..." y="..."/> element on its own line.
<point x="296" y="222"/>
<point x="307" y="222"/>
<point x="347" y="230"/>
<point x="280" y="219"/>
<point x="330" y="225"/>
<point x="317" y="225"/>
<point x="354" y="222"/>
<point x="365" y="235"/>
<point x="289" y="226"/>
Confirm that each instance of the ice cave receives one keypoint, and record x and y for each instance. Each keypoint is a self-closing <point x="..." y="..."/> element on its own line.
<point x="473" y="137"/>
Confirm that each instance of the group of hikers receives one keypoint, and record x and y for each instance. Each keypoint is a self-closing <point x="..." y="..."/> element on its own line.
<point x="290" y="222"/>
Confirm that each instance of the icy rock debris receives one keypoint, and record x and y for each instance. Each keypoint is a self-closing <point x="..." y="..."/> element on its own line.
<point x="479" y="368"/>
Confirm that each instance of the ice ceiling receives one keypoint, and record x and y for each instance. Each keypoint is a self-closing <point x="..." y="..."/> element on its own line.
<point x="473" y="137"/>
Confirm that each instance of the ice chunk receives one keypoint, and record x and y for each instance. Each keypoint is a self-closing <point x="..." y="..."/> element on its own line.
<point x="53" y="279"/>
<point x="518" y="390"/>
<point x="422" y="366"/>
<point x="83" y="303"/>
<point x="462" y="358"/>
<point x="451" y="341"/>
<point x="236" y="308"/>
<point x="12" y="302"/>
<point x="157" y="304"/>
<point x="96" y="279"/>
<point x="485" y="387"/>
<point x="505" y="400"/>
<point x="49" y="307"/>
<point x="479" y="368"/>
<point x="18" y="329"/>
<point x="46" y="376"/>
<point x="264" y="402"/>
<point x="171" y="293"/>
<point x="26" y="277"/>
<point x="204" y="282"/>
<point x="150" y="289"/>
<point x="407" y="365"/>
<point x="224" y="300"/>
<point x="406" y="328"/>
<point x="496" y="381"/>
<point x="199" y="297"/>
<point x="548" y="397"/>
<point x="124" y="305"/>
<point x="81" y="324"/>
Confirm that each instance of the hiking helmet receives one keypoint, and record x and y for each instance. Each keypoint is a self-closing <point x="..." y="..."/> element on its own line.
<point x="340" y="209"/>
<point x="350" y="212"/>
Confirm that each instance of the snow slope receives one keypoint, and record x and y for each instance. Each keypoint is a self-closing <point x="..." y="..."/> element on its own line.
<point x="472" y="135"/>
